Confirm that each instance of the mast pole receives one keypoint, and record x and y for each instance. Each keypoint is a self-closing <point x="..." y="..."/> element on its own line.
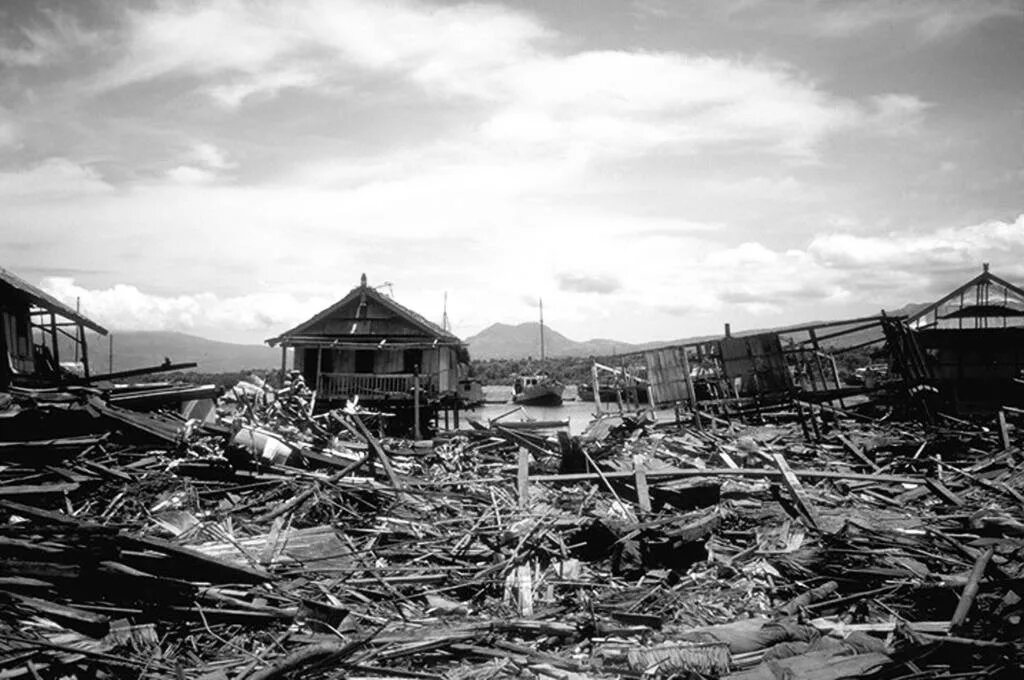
<point x="541" y="328"/>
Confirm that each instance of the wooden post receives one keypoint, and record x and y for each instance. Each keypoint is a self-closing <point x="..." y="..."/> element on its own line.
<point x="53" y="337"/>
<point x="5" y="358"/>
<point x="284" y="362"/>
<point x="524" y="477"/>
<point x="85" y="351"/>
<point x="690" y="392"/>
<point x="319" y="363"/>
<point x="455" y="411"/>
<point x="416" y="433"/>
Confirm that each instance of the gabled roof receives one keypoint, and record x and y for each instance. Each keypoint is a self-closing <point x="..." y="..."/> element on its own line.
<point x="985" y="309"/>
<point x="362" y="291"/>
<point x="46" y="301"/>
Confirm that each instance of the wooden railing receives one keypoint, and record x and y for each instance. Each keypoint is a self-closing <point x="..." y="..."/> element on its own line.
<point x="367" y="385"/>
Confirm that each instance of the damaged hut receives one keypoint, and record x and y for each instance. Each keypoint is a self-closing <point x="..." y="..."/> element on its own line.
<point x="38" y="331"/>
<point x="972" y="340"/>
<point x="366" y="345"/>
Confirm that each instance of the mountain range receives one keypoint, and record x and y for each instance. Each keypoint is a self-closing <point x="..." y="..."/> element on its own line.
<point x="137" y="349"/>
<point x="504" y="341"/>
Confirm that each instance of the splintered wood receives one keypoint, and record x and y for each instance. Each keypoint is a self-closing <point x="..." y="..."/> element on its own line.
<point x="140" y="545"/>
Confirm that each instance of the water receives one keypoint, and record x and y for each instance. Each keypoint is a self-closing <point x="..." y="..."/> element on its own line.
<point x="578" y="413"/>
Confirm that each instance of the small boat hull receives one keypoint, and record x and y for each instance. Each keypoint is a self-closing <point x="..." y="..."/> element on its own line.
<point x="537" y="391"/>
<point x="546" y="398"/>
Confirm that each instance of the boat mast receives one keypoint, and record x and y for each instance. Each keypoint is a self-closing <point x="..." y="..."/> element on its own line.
<point x="541" y="328"/>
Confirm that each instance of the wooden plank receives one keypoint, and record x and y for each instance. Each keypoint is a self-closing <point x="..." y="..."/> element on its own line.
<point x="725" y="472"/>
<point x="792" y="483"/>
<point x="857" y="452"/>
<point x="643" y="492"/>
<point x="1004" y="432"/>
<point x="942" y="491"/>
<point x="524" y="477"/>
<point x="963" y="607"/>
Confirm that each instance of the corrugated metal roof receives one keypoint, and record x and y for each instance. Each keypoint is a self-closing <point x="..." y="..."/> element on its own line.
<point x="43" y="299"/>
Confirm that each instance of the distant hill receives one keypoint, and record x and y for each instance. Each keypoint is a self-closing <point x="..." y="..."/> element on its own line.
<point x="137" y="349"/>
<point x="504" y="341"/>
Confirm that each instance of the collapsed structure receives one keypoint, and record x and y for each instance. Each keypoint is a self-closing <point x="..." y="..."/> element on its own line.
<point x="763" y="531"/>
<point x="962" y="354"/>
<point x="36" y="326"/>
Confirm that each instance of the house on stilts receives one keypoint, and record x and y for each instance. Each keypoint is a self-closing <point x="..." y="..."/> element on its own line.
<point x="369" y="346"/>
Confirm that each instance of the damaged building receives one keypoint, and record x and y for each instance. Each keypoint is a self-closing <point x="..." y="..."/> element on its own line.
<point x="369" y="346"/>
<point x="38" y="331"/>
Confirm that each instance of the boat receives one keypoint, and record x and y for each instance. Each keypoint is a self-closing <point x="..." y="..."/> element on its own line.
<point x="537" y="390"/>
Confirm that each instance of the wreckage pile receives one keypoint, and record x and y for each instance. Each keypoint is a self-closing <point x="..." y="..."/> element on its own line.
<point x="268" y="543"/>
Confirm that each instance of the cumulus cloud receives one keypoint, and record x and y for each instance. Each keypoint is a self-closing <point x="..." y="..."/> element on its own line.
<point x="126" y="307"/>
<point x="601" y="284"/>
<point x="52" y="178"/>
<point x="927" y="19"/>
<point x="589" y="102"/>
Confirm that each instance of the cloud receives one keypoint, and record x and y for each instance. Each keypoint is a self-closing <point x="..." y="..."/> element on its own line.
<point x="927" y="19"/>
<point x="264" y="47"/>
<point x="8" y="128"/>
<point x="602" y="284"/>
<point x="51" y="36"/>
<point x="189" y="174"/>
<point x="126" y="307"/>
<point x="610" y="102"/>
<point x="52" y="178"/>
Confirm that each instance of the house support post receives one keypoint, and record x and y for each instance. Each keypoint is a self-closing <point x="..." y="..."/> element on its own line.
<point x="691" y="393"/>
<point x="85" y="351"/>
<point x="416" y="432"/>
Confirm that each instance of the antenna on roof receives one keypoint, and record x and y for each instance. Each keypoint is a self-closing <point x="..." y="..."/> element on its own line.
<point x="390" y="286"/>
<point x="445" y="324"/>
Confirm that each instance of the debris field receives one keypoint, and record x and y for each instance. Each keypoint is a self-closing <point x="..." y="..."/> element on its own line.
<point x="269" y="543"/>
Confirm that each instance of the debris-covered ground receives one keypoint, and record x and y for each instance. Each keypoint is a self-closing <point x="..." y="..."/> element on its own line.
<point x="271" y="544"/>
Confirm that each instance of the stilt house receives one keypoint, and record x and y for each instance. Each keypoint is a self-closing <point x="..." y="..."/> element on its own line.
<point x="367" y="344"/>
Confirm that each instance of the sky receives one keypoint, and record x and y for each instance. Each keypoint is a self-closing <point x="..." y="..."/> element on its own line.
<point x="650" y="169"/>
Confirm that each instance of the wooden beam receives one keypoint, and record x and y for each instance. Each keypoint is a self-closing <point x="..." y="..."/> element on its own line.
<point x="792" y="483"/>
<point x="524" y="477"/>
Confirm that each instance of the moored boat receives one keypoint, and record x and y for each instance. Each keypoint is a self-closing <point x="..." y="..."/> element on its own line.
<point x="537" y="390"/>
